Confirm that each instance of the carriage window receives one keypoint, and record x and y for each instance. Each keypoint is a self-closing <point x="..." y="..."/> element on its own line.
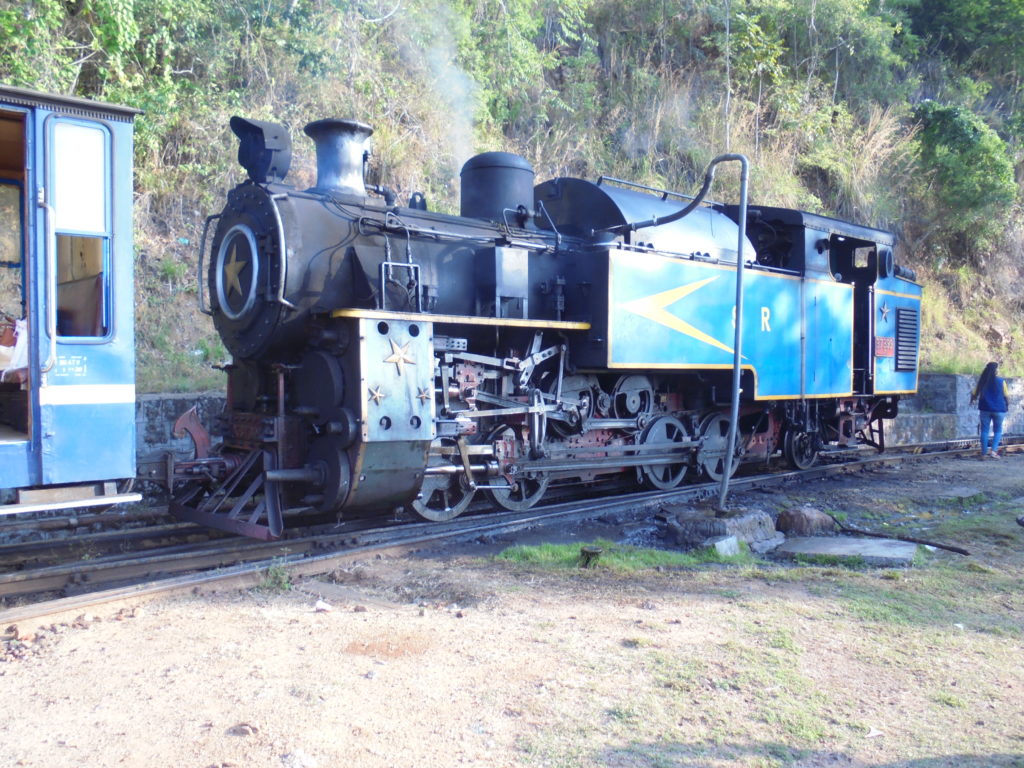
<point x="81" y="286"/>
<point x="81" y="168"/>
<point x="80" y="177"/>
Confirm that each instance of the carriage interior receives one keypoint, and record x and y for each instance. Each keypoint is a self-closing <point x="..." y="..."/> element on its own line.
<point x="14" y="411"/>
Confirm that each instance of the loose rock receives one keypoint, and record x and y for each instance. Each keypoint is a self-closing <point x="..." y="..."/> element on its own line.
<point x="805" y="521"/>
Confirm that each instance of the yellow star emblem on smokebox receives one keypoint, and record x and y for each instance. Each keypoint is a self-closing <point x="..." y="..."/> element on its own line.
<point x="654" y="308"/>
<point x="377" y="394"/>
<point x="233" y="269"/>
<point x="399" y="356"/>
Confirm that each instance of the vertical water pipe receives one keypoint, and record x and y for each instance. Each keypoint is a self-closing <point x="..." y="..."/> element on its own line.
<point x="734" y="416"/>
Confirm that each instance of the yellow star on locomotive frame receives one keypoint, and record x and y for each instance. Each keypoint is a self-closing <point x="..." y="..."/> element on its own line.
<point x="377" y="394"/>
<point x="400" y="356"/>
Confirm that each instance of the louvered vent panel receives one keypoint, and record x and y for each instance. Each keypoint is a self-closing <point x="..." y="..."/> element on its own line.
<point x="908" y="323"/>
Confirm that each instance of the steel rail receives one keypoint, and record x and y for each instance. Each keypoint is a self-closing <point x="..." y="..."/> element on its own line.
<point x="304" y="556"/>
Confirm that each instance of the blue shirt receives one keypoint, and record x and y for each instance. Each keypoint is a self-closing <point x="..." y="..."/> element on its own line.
<point x="993" y="397"/>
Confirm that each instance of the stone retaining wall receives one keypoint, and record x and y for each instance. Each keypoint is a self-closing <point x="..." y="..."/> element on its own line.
<point x="940" y="411"/>
<point x="155" y="416"/>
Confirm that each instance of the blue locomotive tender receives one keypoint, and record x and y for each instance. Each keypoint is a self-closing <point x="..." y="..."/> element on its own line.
<point x="67" y="350"/>
<point x="570" y="333"/>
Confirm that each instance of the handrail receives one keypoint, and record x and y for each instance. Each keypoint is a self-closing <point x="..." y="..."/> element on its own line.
<point x="283" y="253"/>
<point x="50" y="274"/>
<point x="199" y="267"/>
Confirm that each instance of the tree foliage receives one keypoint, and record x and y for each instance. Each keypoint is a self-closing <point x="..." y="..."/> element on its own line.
<point x="588" y="86"/>
<point x="971" y="171"/>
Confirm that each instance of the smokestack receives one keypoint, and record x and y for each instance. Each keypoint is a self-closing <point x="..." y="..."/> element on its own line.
<point x="340" y="154"/>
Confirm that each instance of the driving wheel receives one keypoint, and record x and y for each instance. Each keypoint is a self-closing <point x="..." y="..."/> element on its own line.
<point x="712" y="455"/>
<point x="513" y="489"/>
<point x="443" y="496"/>
<point x="663" y="432"/>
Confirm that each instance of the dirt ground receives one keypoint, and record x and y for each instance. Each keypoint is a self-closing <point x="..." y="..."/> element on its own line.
<point x="461" y="659"/>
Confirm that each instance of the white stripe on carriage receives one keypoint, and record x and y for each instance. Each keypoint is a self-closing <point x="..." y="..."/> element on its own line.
<point x="87" y="394"/>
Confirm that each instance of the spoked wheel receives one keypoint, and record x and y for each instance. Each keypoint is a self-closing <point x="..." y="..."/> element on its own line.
<point x="443" y="497"/>
<point x="512" y="489"/>
<point x="523" y="491"/>
<point x="663" y="432"/>
<point x="712" y="456"/>
<point x="632" y="396"/>
<point x="799" y="449"/>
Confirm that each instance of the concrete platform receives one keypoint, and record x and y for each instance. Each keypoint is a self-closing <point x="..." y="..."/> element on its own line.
<point x="884" y="552"/>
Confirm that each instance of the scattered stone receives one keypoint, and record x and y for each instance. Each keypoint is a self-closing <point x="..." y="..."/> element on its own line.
<point x="725" y="546"/>
<point x="243" y="729"/>
<point x="960" y="493"/>
<point x="691" y="528"/>
<point x="873" y="733"/>
<point x="767" y="545"/>
<point x="298" y="759"/>
<point x="805" y="521"/>
<point x="1020" y="520"/>
<point x="322" y="606"/>
<point x="359" y="609"/>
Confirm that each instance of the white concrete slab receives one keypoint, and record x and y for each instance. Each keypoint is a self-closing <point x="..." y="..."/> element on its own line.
<point x="885" y="552"/>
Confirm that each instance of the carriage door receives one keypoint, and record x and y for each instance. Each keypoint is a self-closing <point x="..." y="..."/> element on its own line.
<point x="87" y="392"/>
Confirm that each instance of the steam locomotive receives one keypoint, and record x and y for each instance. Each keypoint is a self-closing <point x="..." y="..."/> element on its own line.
<point x="571" y="332"/>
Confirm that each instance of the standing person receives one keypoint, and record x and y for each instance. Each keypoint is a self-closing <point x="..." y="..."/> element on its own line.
<point x="991" y="396"/>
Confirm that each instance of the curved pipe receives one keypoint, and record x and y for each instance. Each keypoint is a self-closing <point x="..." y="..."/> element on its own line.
<point x="655" y="221"/>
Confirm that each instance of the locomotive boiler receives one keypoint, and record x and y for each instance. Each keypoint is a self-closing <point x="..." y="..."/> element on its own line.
<point x="565" y="333"/>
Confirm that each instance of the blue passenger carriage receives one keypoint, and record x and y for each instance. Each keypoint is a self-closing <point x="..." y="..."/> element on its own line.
<point x="67" y="359"/>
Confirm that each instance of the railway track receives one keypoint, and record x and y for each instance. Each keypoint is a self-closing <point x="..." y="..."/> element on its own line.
<point x="53" y="577"/>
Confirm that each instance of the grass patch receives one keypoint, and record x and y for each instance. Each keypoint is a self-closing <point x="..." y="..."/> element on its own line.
<point x="620" y="558"/>
<point x="998" y="528"/>
<point x="276" y="579"/>
<point x="938" y="595"/>
<point x="676" y="673"/>
<point x="948" y="699"/>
